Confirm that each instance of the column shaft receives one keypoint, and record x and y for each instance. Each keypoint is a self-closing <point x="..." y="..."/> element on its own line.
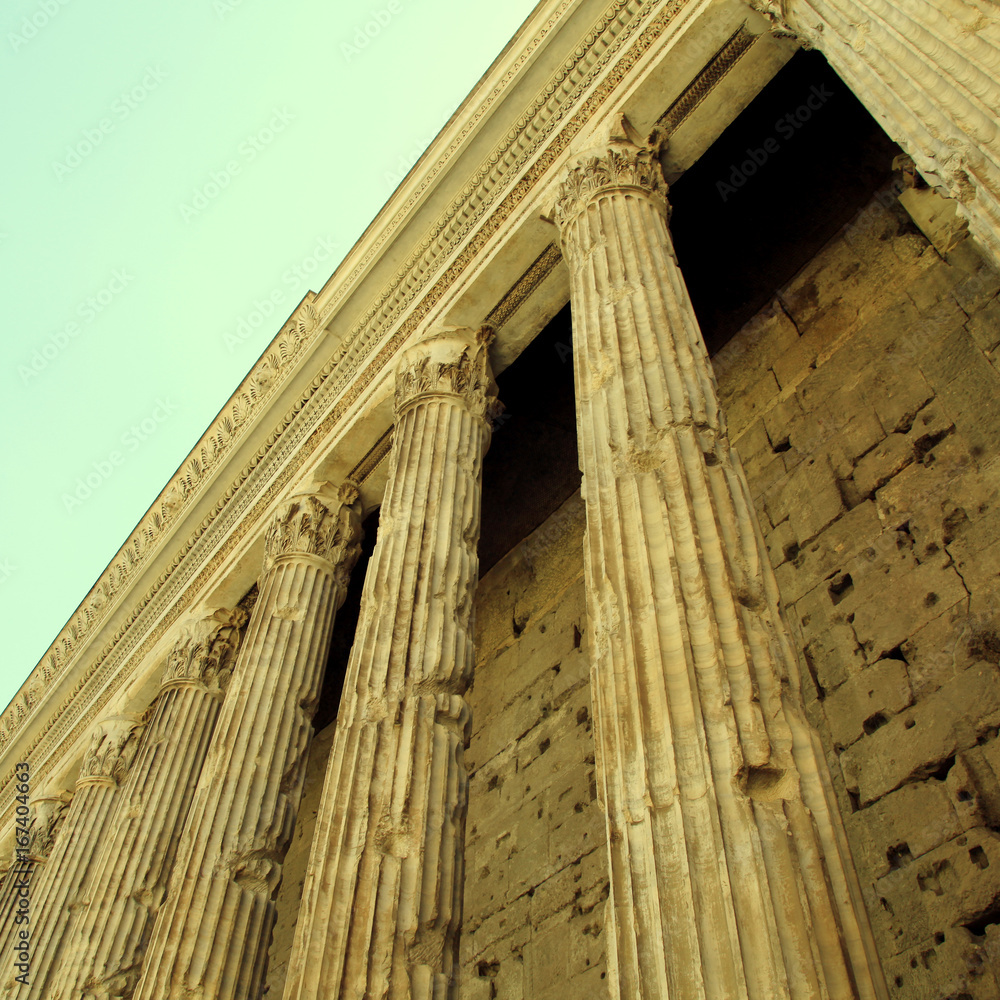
<point x="212" y="934"/>
<point x="106" y="948"/>
<point x="929" y="72"/>
<point x="723" y="883"/>
<point x="382" y="901"/>
<point x="57" y="885"/>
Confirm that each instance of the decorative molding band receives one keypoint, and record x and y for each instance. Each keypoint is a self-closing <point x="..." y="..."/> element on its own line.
<point x="716" y="69"/>
<point x="628" y="29"/>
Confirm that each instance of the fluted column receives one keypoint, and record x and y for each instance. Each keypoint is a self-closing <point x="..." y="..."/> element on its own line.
<point x="56" y="885"/>
<point x="211" y="936"/>
<point x="381" y="904"/>
<point x="32" y="849"/>
<point x="108" y="942"/>
<point x="929" y="72"/>
<point x="727" y="879"/>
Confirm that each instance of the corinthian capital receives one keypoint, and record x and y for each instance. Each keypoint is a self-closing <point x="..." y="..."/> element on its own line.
<point x="451" y="362"/>
<point x="49" y="811"/>
<point x="206" y="651"/>
<point x="112" y="750"/>
<point x="620" y="161"/>
<point x="326" y="524"/>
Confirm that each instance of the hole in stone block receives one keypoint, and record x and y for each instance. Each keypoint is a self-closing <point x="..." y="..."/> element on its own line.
<point x="783" y="445"/>
<point x="873" y="722"/>
<point x="909" y="723"/>
<point x="791" y="552"/>
<point x="941" y="770"/>
<point x="582" y="715"/>
<point x="855" y="800"/>
<point x="577" y="636"/>
<point x="978" y="857"/>
<point x="488" y="970"/>
<point x="898" y="856"/>
<point x="930" y="600"/>
<point x="494" y="782"/>
<point x="895" y="654"/>
<point x="841" y="587"/>
<point x="964" y="795"/>
<point x="544" y="745"/>
<point x="938" y="938"/>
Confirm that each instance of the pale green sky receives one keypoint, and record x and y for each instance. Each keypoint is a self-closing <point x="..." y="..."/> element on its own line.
<point x="124" y="291"/>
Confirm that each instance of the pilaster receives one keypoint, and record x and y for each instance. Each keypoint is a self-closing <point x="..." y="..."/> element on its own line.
<point x="107" y="946"/>
<point x="381" y="905"/>
<point x="212" y="934"/>
<point x="727" y="876"/>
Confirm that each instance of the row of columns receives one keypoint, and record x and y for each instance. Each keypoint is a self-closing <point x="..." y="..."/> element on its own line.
<point x="728" y="871"/>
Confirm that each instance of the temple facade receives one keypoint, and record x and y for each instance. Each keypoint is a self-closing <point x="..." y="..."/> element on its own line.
<point x="594" y="589"/>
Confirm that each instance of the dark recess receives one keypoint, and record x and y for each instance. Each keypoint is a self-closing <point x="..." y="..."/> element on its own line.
<point x="344" y="626"/>
<point x="738" y="245"/>
<point x="531" y="467"/>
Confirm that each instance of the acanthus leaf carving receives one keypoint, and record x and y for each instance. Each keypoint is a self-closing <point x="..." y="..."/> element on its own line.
<point x="326" y="524"/>
<point x="620" y="161"/>
<point x="49" y="811"/>
<point x="454" y="361"/>
<point x="112" y="749"/>
<point x="205" y="652"/>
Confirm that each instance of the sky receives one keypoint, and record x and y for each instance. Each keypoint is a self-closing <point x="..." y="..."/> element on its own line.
<point x="167" y="168"/>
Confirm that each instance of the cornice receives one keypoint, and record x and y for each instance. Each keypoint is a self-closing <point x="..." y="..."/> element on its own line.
<point x="516" y="167"/>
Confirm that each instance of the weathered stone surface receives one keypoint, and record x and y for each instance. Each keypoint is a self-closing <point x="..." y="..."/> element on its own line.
<point x="382" y="900"/>
<point x="865" y="702"/>
<point x="699" y="755"/>
<point x="919" y="741"/>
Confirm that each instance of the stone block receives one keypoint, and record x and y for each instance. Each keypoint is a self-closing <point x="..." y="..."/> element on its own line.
<point x="834" y="656"/>
<point x="889" y="611"/>
<point x="917" y="743"/>
<point x="900" y="400"/>
<point x="902" y="826"/>
<point x="781" y="542"/>
<point x="948" y="965"/>
<point x="936" y="653"/>
<point x="857" y="437"/>
<point x="883" y="462"/>
<point x="749" y="405"/>
<point x="984" y="326"/>
<point x="830" y="551"/>
<point x="808" y="496"/>
<point x="864" y="702"/>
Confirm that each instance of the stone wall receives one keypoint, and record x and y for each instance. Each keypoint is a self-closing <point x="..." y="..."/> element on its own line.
<point x="536" y="866"/>
<point x="865" y="404"/>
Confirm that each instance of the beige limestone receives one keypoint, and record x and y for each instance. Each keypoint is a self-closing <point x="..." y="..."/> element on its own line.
<point x="212" y="934"/>
<point x="106" y="948"/>
<point x="382" y="901"/>
<point x="727" y="876"/>
<point x="57" y="887"/>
